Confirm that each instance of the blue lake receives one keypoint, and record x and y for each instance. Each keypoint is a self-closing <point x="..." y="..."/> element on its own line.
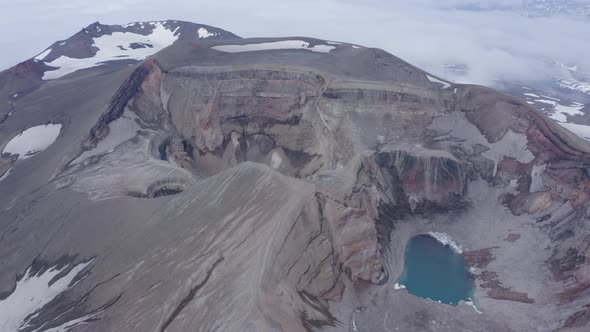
<point x="435" y="271"/>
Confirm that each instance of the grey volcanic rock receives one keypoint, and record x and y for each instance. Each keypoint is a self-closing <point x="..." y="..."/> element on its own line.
<point x="276" y="188"/>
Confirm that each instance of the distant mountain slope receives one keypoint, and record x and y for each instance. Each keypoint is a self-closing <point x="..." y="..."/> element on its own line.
<point x="98" y="44"/>
<point x="106" y="47"/>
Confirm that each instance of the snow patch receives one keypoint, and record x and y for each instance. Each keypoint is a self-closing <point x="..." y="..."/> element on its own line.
<point x="115" y="46"/>
<point x="436" y="80"/>
<point x="580" y="130"/>
<point x="43" y="55"/>
<point x="68" y="325"/>
<point x="275" y="160"/>
<point x="278" y="45"/>
<point x="573" y="109"/>
<point x="33" y="292"/>
<point x="470" y="303"/>
<point x="204" y="33"/>
<point x="531" y="95"/>
<point x="33" y="140"/>
<point x="398" y="286"/>
<point x="446" y="240"/>
<point x="355" y="47"/>
<point x="573" y="84"/>
<point x="6" y="174"/>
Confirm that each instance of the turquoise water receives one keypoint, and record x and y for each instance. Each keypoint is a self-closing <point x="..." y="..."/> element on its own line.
<point x="435" y="271"/>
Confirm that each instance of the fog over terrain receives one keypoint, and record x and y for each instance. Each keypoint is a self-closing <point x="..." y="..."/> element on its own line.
<point x="496" y="40"/>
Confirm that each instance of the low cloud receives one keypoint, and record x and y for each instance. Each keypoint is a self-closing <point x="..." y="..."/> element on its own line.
<point x="490" y="37"/>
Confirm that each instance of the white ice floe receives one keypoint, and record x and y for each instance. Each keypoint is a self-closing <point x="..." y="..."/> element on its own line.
<point x="116" y="46"/>
<point x="33" y="292"/>
<point x="278" y="45"/>
<point x="446" y="240"/>
<point x="398" y="286"/>
<point x="436" y="80"/>
<point x="204" y="33"/>
<point x="33" y="140"/>
<point x="43" y="54"/>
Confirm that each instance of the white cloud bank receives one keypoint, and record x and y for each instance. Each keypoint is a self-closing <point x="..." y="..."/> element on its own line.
<point x="492" y="40"/>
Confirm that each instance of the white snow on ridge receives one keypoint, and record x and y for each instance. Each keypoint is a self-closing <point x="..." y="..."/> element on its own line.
<point x="43" y="54"/>
<point x="446" y="240"/>
<point x="33" y="140"/>
<point x="573" y="84"/>
<point x="436" y="80"/>
<point x="115" y="46"/>
<point x="278" y="45"/>
<point x="561" y="111"/>
<point x="580" y="130"/>
<point x="31" y="293"/>
<point x="204" y="33"/>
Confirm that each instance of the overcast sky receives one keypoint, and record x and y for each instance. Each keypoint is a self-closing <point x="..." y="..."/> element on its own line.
<point x="497" y="43"/>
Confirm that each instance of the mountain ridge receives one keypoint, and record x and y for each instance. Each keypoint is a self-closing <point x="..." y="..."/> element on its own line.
<point x="272" y="184"/>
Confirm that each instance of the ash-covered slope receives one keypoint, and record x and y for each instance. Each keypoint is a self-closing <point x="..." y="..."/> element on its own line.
<point x="272" y="184"/>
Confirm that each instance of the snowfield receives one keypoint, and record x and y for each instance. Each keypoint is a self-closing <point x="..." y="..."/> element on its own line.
<point x="559" y="112"/>
<point x="115" y="47"/>
<point x="33" y="140"/>
<point x="436" y="80"/>
<point x="278" y="45"/>
<point x="446" y="240"/>
<point x="573" y="84"/>
<point x="31" y="293"/>
<point x="43" y="55"/>
<point x="578" y="129"/>
<point x="204" y="33"/>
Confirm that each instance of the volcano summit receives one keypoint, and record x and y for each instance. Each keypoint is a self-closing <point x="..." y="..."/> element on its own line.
<point x="201" y="182"/>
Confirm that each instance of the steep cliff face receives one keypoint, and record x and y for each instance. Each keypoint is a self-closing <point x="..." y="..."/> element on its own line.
<point x="276" y="189"/>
